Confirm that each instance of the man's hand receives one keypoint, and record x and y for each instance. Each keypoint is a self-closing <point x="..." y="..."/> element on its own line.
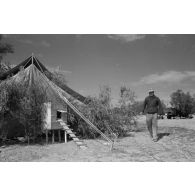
<point x="141" y="113"/>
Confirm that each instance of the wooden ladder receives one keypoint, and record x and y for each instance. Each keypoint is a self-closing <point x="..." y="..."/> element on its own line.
<point x="68" y="131"/>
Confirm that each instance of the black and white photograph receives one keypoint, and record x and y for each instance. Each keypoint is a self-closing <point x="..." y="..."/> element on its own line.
<point x="97" y="97"/>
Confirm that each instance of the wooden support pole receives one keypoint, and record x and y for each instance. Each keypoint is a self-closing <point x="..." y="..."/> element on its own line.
<point x="53" y="135"/>
<point x="65" y="136"/>
<point x="59" y="135"/>
<point x="46" y="136"/>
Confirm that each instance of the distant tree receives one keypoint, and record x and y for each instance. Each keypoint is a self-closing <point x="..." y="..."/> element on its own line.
<point x="105" y="96"/>
<point x="5" y="48"/>
<point x="127" y="96"/>
<point x="164" y="107"/>
<point x="193" y="109"/>
<point x="182" y="102"/>
<point x="163" y="104"/>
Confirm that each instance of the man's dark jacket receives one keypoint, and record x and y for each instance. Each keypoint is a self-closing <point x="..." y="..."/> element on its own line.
<point x="152" y="105"/>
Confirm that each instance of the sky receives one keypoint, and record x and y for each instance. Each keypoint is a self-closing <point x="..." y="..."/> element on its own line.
<point x="141" y="62"/>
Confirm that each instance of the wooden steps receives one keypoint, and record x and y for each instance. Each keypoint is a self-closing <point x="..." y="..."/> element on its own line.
<point x="76" y="139"/>
<point x="78" y="142"/>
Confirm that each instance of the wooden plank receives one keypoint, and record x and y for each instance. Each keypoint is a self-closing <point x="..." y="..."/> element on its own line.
<point x="75" y="139"/>
<point x="65" y="136"/>
<point x="79" y="143"/>
<point x="69" y="131"/>
<point x="46" y="136"/>
<point x="59" y="135"/>
<point x="53" y="136"/>
<point x="62" y="123"/>
<point x="72" y="135"/>
<point x="83" y="147"/>
<point x="64" y="126"/>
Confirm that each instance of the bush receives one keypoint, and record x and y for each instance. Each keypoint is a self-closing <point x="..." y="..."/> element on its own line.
<point x="103" y="115"/>
<point x="31" y="111"/>
<point x="182" y="102"/>
<point x="22" y="104"/>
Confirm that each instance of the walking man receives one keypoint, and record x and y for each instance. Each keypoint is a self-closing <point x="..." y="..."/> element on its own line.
<point x="152" y="106"/>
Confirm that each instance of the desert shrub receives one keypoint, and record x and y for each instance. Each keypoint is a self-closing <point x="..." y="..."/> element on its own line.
<point x="30" y="111"/>
<point x="182" y="103"/>
<point x="138" y="107"/>
<point x="126" y="109"/>
<point x="22" y="104"/>
<point x="103" y="114"/>
<point x="100" y="117"/>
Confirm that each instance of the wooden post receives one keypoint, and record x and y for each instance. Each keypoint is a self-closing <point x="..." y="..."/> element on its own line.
<point x="28" y="137"/>
<point x="46" y="136"/>
<point x="53" y="134"/>
<point x="65" y="136"/>
<point x="59" y="135"/>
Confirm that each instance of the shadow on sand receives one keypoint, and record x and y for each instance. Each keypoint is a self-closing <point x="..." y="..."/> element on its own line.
<point x="161" y="135"/>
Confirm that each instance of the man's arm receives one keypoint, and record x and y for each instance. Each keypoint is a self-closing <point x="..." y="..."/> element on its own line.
<point x="144" y="105"/>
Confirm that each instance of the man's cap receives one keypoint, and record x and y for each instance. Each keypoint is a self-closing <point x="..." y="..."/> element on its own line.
<point x="151" y="90"/>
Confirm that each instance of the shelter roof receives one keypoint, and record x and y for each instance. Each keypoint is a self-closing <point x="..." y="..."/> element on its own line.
<point x="32" y="60"/>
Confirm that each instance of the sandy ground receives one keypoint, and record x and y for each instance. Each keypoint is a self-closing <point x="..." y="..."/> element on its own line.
<point x="183" y="123"/>
<point x="175" y="144"/>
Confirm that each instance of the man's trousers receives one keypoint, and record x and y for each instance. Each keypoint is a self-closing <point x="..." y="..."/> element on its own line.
<point x="151" y="121"/>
